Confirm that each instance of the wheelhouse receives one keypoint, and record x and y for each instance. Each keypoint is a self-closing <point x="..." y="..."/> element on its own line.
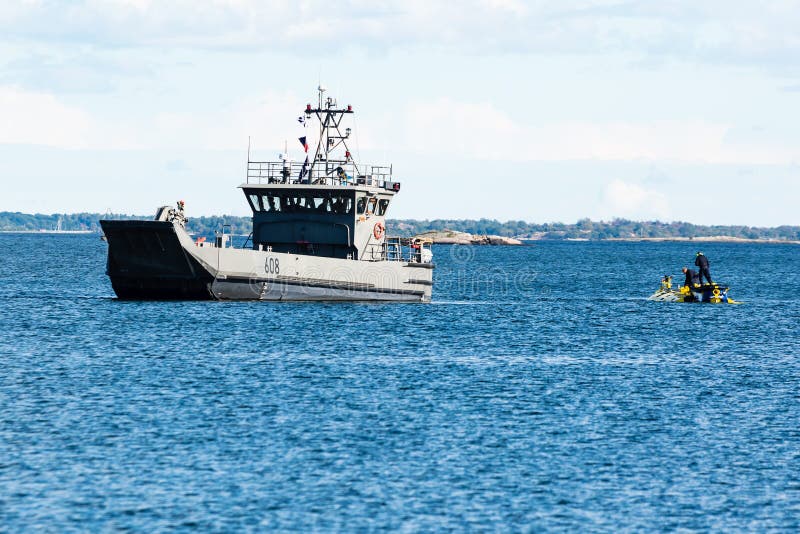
<point x="331" y="221"/>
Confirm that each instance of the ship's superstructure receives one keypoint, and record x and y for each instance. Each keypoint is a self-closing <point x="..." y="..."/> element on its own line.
<point x="325" y="206"/>
<point x="319" y="233"/>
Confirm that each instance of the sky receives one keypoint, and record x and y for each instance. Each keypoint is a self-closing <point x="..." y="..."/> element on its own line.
<point x="505" y="109"/>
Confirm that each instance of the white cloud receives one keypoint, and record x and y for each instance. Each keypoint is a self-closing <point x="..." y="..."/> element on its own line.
<point x="714" y="31"/>
<point x="482" y="131"/>
<point x="445" y="127"/>
<point x="270" y="119"/>
<point x="36" y="118"/>
<point x="632" y="201"/>
<point x="516" y="7"/>
<point x="41" y="119"/>
<point x="477" y="130"/>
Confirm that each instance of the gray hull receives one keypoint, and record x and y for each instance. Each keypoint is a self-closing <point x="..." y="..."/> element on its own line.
<point x="152" y="260"/>
<point x="276" y="290"/>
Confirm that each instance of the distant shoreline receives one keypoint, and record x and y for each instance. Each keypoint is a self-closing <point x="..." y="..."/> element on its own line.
<point x="452" y="237"/>
<point x="501" y="241"/>
<point x="482" y="231"/>
<point x="44" y="232"/>
<point x="709" y="239"/>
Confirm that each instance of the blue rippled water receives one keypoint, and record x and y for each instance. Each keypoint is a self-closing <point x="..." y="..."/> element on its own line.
<point x="540" y="390"/>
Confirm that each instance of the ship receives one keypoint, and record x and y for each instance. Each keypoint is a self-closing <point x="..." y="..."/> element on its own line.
<point x="318" y="234"/>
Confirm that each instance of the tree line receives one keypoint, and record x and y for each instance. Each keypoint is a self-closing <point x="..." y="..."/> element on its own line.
<point x="598" y="230"/>
<point x="583" y="229"/>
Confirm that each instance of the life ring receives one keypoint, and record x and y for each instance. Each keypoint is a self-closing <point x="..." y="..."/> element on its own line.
<point x="716" y="292"/>
<point x="378" y="230"/>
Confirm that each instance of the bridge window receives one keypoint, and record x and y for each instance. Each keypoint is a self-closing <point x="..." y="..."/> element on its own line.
<point x="255" y="203"/>
<point x="383" y="205"/>
<point x="361" y="206"/>
<point x="272" y="203"/>
<point x="341" y="205"/>
<point x="300" y="203"/>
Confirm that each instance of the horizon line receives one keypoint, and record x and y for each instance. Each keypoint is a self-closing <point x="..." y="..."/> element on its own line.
<point x="602" y="221"/>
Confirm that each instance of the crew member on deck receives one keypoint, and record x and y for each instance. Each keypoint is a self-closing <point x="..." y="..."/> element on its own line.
<point x="702" y="263"/>
<point x="692" y="278"/>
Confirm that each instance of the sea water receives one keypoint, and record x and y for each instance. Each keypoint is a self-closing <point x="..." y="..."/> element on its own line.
<point x="539" y="390"/>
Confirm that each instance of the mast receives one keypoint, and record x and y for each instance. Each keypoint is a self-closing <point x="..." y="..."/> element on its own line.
<point x="330" y="134"/>
<point x="330" y="162"/>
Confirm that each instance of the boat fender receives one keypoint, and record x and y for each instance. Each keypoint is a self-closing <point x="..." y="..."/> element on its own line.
<point x="378" y="230"/>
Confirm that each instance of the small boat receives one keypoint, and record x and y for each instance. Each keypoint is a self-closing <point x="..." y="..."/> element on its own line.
<point x="705" y="293"/>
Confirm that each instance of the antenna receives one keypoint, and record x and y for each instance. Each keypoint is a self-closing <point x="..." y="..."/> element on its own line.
<point x="247" y="172"/>
<point x="321" y="89"/>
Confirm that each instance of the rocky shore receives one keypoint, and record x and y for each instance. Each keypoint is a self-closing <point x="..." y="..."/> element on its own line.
<point x="452" y="237"/>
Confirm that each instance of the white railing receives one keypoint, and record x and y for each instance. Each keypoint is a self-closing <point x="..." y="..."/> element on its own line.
<point x="322" y="173"/>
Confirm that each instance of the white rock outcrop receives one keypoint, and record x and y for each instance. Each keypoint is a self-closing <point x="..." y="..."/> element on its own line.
<point x="453" y="237"/>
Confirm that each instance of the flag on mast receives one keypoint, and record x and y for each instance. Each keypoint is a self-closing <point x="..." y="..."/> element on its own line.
<point x="304" y="143"/>
<point x="303" y="171"/>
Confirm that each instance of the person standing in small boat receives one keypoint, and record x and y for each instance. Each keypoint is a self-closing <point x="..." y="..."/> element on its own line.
<point x="701" y="262"/>
<point x="692" y="278"/>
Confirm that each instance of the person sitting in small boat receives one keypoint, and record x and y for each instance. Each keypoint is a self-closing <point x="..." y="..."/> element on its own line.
<point x="701" y="262"/>
<point x="666" y="282"/>
<point x="692" y="278"/>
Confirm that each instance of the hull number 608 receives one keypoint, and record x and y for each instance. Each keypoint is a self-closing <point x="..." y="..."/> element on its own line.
<point x="272" y="266"/>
